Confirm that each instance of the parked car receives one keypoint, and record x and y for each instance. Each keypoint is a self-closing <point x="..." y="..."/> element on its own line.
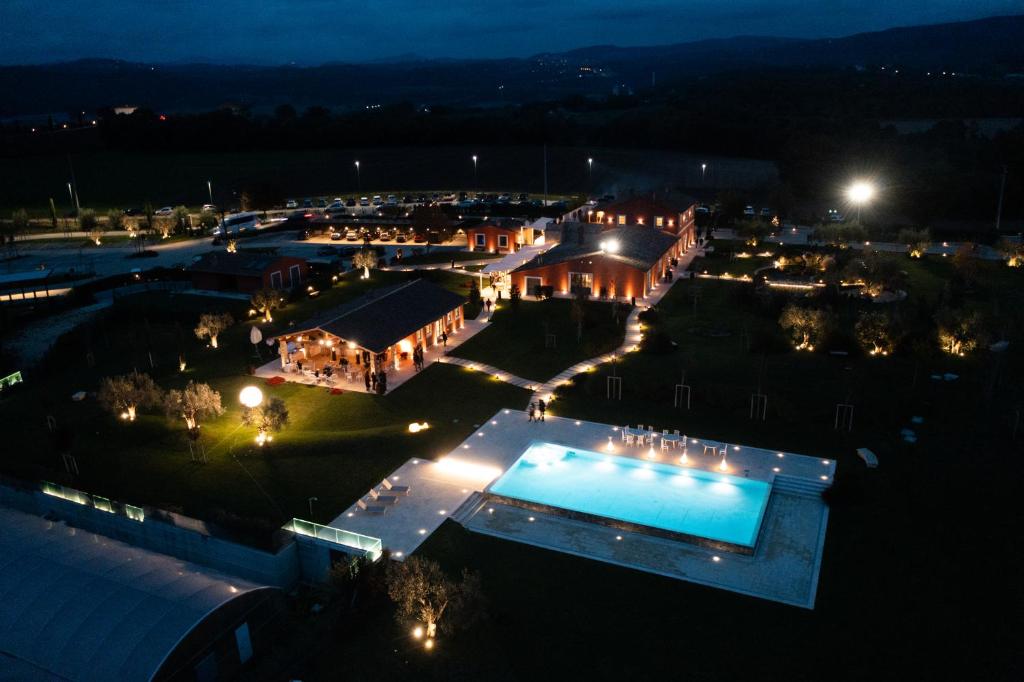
<point x="400" y="238"/>
<point x="504" y="198"/>
<point x="307" y="203"/>
<point x="385" y="236"/>
<point x="419" y="239"/>
<point x="166" y="210"/>
<point x="766" y="212"/>
<point x="133" y="211"/>
<point x="377" y="201"/>
<point x="523" y="196"/>
<point x="291" y="203"/>
<point x="363" y="201"/>
<point x="350" y="202"/>
<point x="749" y="211"/>
<point x="335" y="236"/>
<point x="210" y="207"/>
<point x="352" y="236"/>
<point x="337" y="203"/>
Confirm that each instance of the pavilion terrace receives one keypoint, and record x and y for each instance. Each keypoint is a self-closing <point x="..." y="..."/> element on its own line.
<point x="376" y="333"/>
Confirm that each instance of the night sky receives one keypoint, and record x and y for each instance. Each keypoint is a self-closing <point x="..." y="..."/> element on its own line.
<point x="317" y="31"/>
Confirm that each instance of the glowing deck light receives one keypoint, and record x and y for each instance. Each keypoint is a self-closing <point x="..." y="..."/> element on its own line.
<point x="531" y="519"/>
<point x="429" y="644"/>
<point x="618" y="537"/>
<point x="723" y="466"/>
<point x="776" y="469"/>
<point x="716" y="558"/>
<point x="422" y="531"/>
<point x="416" y="427"/>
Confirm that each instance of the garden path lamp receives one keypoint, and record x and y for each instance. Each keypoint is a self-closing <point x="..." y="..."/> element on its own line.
<point x="251" y="397"/>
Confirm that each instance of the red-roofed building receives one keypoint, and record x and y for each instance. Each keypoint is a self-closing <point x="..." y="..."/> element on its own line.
<point x="498" y="235"/>
<point x="668" y="215"/>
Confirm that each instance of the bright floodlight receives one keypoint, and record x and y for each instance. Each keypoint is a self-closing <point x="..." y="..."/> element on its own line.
<point x="250" y="396"/>
<point x="860" y="192"/>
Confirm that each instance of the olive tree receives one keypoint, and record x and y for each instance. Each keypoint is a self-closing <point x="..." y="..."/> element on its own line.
<point x="807" y="326"/>
<point x="211" y="325"/>
<point x="124" y="395"/>
<point x="425" y="596"/>
<point x="180" y="219"/>
<point x="115" y="220"/>
<point x="1012" y="252"/>
<point x="960" y="330"/>
<point x="208" y="220"/>
<point x="266" y="300"/>
<point x="269" y="417"/>
<point x="877" y="332"/>
<point x="917" y="241"/>
<point x="194" y="402"/>
<point x="365" y="259"/>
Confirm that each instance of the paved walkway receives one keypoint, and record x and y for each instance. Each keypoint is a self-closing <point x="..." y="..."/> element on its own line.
<point x="499" y="374"/>
<point x="630" y="342"/>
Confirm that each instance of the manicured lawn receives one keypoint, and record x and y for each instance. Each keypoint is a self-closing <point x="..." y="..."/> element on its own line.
<point x="914" y="546"/>
<point x="334" y="448"/>
<point x="514" y="341"/>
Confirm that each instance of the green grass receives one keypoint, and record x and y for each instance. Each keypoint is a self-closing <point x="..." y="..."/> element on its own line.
<point x="334" y="448"/>
<point x="913" y="546"/>
<point x="514" y="341"/>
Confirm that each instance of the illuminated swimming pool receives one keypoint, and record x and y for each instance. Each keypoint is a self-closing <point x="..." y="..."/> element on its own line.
<point x="650" y="495"/>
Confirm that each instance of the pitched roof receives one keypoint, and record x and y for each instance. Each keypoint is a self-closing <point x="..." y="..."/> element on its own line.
<point x="385" y="316"/>
<point x="241" y="263"/>
<point x="648" y="206"/>
<point x="509" y="224"/>
<point x="81" y="606"/>
<point x="640" y="246"/>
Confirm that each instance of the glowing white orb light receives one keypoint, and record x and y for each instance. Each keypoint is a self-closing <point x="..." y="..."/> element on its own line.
<point x="250" y="396"/>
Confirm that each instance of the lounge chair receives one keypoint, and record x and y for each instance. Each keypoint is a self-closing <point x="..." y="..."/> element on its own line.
<point x="382" y="499"/>
<point x="869" y="457"/>
<point x="394" y="489"/>
<point x="371" y="508"/>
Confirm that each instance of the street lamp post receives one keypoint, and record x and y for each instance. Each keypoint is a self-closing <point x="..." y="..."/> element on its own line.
<point x="71" y="196"/>
<point x="209" y="190"/>
<point x="474" y="172"/>
<point x="311" y="501"/>
<point x="703" y="167"/>
<point x="590" y="171"/>
<point x="358" y="178"/>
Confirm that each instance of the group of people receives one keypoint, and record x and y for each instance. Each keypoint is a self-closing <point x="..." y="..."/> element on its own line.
<point x="417" y="358"/>
<point x="375" y="382"/>
<point x="537" y="410"/>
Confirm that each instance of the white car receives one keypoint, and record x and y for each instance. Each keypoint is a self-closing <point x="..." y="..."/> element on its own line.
<point x="210" y="207"/>
<point x="363" y="201"/>
<point x="392" y="200"/>
<point x="377" y="201"/>
<point x="291" y="203"/>
<point x="749" y="211"/>
<point x="166" y="210"/>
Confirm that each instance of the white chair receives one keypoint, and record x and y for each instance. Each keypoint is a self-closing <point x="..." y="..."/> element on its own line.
<point x="623" y="432"/>
<point x="664" y="441"/>
<point x="630" y="439"/>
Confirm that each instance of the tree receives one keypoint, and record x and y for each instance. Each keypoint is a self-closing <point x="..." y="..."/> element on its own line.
<point x="124" y="395"/>
<point x="268" y="418"/>
<point x="365" y="259"/>
<point x="1013" y="252"/>
<point x="266" y="300"/>
<point x="513" y="298"/>
<point x="876" y="332"/>
<point x="144" y="228"/>
<point x="115" y="219"/>
<point x="960" y="330"/>
<point x="180" y="219"/>
<point x="432" y="218"/>
<point x="88" y="222"/>
<point x="424" y="595"/>
<point x="917" y="241"/>
<point x="165" y="226"/>
<point x="806" y="325"/>
<point x="212" y="324"/>
<point x="195" y="402"/>
<point x="965" y="264"/>
<point x="882" y="273"/>
<point x="19" y="225"/>
<point x="208" y="220"/>
<point x="752" y="231"/>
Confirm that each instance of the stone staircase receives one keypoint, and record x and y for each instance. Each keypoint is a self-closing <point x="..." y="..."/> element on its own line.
<point x="468" y="508"/>
<point x="803" y="487"/>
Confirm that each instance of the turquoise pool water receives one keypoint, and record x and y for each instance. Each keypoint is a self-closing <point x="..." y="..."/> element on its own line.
<point x="673" y="498"/>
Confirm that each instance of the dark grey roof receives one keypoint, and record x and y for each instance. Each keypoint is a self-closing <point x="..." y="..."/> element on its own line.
<point x="640" y="246"/>
<point x="240" y="263"/>
<point x="387" y="315"/>
<point x="510" y="224"/>
<point x="81" y="606"/>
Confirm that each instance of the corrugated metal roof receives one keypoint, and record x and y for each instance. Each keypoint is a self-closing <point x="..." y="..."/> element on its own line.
<point x="387" y="315"/>
<point x="81" y="606"/>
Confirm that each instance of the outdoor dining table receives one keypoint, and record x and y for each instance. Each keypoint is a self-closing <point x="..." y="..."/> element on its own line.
<point x="671" y="438"/>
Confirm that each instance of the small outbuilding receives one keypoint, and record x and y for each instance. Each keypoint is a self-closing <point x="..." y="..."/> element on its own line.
<point x="246" y="272"/>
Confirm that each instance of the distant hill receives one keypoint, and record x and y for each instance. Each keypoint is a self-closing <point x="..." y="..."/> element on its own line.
<point x="988" y="46"/>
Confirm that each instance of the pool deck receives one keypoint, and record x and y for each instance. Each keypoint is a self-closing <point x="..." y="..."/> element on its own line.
<point x="784" y="567"/>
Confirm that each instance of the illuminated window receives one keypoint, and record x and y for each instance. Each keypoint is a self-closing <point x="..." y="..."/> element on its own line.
<point x="481" y="239"/>
<point x="502" y="241"/>
<point x="659" y="221"/>
<point x="622" y="220"/>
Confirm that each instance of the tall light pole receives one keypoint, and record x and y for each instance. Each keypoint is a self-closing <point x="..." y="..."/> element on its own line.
<point x="71" y="196"/>
<point x="474" y="172"/>
<point x="590" y="171"/>
<point x="358" y="178"/>
<point x="209" y="190"/>
<point x="703" y="167"/>
<point x="311" y="501"/>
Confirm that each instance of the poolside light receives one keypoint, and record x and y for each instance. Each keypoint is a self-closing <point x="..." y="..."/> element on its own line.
<point x="716" y="558"/>
<point x="824" y="478"/>
<point x="683" y="459"/>
<point x="251" y="396"/>
<point x="416" y="427"/>
<point x="650" y="453"/>
<point x="578" y="423"/>
<point x="422" y="531"/>
<point x="611" y="446"/>
<point x="531" y="519"/>
<point x="776" y="469"/>
<point x="618" y="537"/>
<point x="442" y="512"/>
<point x="723" y="466"/>
<point x="429" y="644"/>
<point x="825" y="462"/>
<point x="399" y="554"/>
<point x="779" y="455"/>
